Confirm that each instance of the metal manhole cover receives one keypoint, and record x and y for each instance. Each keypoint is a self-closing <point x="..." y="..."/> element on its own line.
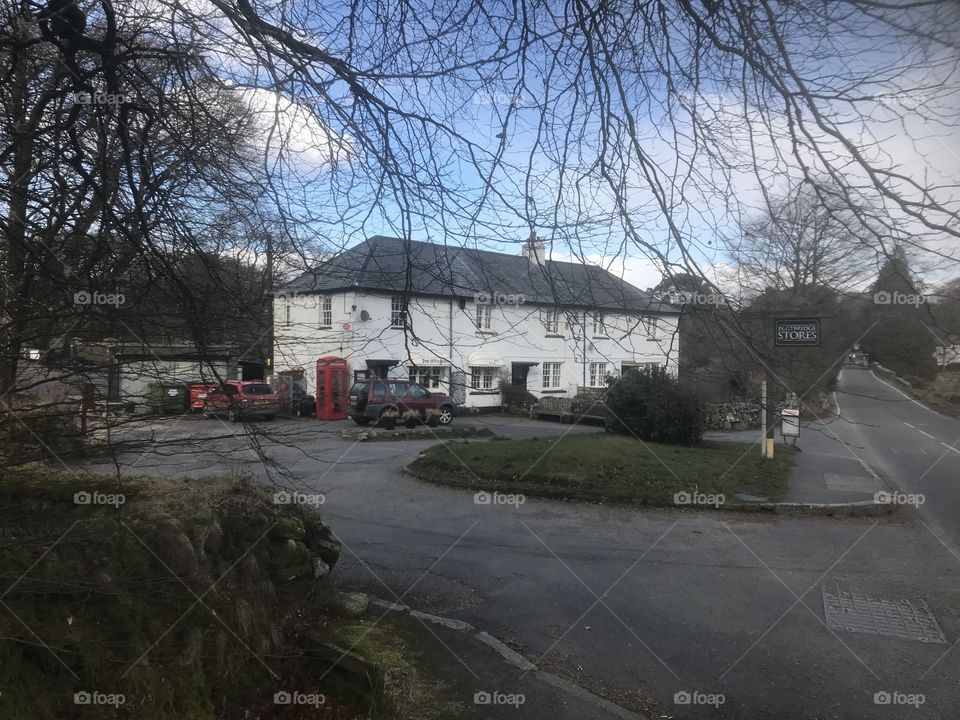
<point x="906" y="619"/>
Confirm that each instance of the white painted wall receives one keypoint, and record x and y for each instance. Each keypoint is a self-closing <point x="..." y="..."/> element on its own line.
<point x="441" y="333"/>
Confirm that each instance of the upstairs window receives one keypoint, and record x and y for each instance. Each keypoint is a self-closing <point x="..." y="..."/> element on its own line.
<point x="398" y="312"/>
<point x="484" y="319"/>
<point x="651" y="324"/>
<point x="326" y="312"/>
<point x="599" y="325"/>
<point x="551" y="321"/>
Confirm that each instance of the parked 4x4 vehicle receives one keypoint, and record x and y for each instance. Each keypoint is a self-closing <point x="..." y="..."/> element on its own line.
<point x="239" y="399"/>
<point x="370" y="399"/>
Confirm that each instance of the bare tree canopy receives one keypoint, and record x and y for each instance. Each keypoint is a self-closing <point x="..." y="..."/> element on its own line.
<point x="804" y="241"/>
<point x="640" y="131"/>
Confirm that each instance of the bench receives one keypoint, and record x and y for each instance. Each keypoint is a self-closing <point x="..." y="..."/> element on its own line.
<point x="586" y="406"/>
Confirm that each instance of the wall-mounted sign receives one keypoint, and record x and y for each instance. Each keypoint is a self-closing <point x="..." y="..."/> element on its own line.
<point x="797" y="331"/>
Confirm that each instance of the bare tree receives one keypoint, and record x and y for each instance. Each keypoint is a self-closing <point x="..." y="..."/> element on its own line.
<point x="806" y="238"/>
<point x="638" y="129"/>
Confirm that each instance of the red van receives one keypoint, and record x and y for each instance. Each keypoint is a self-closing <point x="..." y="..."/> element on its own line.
<point x="242" y="400"/>
<point x="198" y="394"/>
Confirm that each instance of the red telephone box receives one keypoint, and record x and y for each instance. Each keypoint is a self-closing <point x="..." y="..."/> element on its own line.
<point x="333" y="386"/>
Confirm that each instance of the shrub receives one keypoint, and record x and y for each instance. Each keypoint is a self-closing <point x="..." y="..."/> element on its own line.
<point x="516" y="397"/>
<point x="653" y="405"/>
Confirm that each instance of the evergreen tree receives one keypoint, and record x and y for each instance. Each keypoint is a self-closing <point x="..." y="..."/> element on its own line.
<point x="899" y="322"/>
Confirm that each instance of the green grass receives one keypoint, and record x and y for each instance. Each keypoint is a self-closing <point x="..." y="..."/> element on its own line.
<point x="608" y="468"/>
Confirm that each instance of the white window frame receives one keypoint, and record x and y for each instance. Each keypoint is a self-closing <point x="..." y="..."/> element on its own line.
<point x="552" y="321"/>
<point x="325" y="318"/>
<point x="599" y="325"/>
<point x="652" y="324"/>
<point x="552" y="372"/>
<point x="429" y="376"/>
<point x="398" y="313"/>
<point x="286" y="312"/>
<point x="481" y="378"/>
<point x="483" y="320"/>
<point x="598" y="374"/>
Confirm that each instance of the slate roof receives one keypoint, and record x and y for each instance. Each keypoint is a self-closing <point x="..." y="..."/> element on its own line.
<point x="386" y="264"/>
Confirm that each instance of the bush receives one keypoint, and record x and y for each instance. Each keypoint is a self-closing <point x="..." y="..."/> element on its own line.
<point x="653" y="405"/>
<point x="516" y="397"/>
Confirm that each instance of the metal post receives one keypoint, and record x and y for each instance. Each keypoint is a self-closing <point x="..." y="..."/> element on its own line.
<point x="770" y="421"/>
<point x="763" y="419"/>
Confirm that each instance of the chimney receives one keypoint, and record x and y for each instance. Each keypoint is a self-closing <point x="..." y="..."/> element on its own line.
<point x="533" y="249"/>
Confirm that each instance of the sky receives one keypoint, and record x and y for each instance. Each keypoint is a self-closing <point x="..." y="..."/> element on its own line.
<point x="541" y="168"/>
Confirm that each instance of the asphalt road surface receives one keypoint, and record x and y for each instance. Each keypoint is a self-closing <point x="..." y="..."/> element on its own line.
<point x="917" y="448"/>
<point x="633" y="603"/>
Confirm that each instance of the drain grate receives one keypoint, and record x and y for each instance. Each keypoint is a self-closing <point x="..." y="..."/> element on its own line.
<point x="906" y="619"/>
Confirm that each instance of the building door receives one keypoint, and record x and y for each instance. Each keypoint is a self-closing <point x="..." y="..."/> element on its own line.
<point x="380" y="368"/>
<point x="518" y="374"/>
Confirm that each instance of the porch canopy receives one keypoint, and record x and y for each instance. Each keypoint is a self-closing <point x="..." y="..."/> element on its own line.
<point x="481" y="359"/>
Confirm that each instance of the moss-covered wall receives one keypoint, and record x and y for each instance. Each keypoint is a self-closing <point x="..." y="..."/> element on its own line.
<point x="178" y="597"/>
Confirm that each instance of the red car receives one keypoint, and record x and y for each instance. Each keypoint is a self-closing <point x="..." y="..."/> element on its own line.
<point x="198" y="394"/>
<point x="370" y="399"/>
<point x="240" y="399"/>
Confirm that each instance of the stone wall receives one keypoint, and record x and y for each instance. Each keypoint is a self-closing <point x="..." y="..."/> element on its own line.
<point x="733" y="416"/>
<point x="739" y="415"/>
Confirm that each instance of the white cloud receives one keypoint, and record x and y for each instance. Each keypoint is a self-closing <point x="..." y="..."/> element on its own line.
<point x="293" y="129"/>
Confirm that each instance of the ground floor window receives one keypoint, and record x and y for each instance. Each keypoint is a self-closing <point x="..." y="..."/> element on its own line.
<point x="481" y="378"/>
<point x="551" y="375"/>
<point x="430" y="376"/>
<point x="598" y="373"/>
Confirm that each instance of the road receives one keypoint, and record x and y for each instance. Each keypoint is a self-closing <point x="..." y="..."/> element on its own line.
<point x="917" y="448"/>
<point x="631" y="603"/>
